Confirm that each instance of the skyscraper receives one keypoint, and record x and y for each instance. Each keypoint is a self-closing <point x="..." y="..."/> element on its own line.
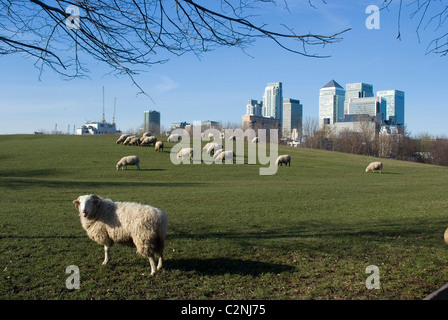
<point x="331" y="103"/>
<point x="273" y="101"/>
<point x="394" y="109"/>
<point x="292" y="117"/>
<point x="254" y="108"/>
<point x="355" y="91"/>
<point x="151" y="121"/>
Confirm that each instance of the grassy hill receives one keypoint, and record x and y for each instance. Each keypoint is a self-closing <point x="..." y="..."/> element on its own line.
<point x="307" y="232"/>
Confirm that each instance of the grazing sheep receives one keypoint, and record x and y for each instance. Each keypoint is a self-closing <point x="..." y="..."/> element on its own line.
<point x="225" y="155"/>
<point x="184" y="152"/>
<point x="135" y="141"/>
<point x="128" y="139"/>
<point x="255" y="140"/>
<point x="174" y="138"/>
<point x="213" y="147"/>
<point x="158" y="146"/>
<point x="286" y="159"/>
<point x="148" y="140"/>
<point x="217" y="153"/>
<point x="129" y="160"/>
<point x="375" y="166"/>
<point x="146" y="134"/>
<point x="141" y="226"/>
<point x="122" y="138"/>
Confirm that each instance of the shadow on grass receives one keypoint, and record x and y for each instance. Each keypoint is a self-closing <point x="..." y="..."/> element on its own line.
<point x="25" y="183"/>
<point x="221" y="266"/>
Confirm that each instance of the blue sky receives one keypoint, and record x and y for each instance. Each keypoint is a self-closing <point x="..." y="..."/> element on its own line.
<point x="217" y="85"/>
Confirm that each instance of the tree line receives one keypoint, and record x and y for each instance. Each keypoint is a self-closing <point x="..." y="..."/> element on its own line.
<point x="366" y="140"/>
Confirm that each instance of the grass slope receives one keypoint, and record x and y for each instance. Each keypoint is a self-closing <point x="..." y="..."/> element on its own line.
<point x="307" y="232"/>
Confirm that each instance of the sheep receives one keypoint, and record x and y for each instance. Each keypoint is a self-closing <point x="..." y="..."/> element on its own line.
<point x="255" y="140"/>
<point x="184" y="152"/>
<point x="214" y="146"/>
<point x="217" y="153"/>
<point x="445" y="236"/>
<point x="158" y="146"/>
<point x="128" y="139"/>
<point x="286" y="159"/>
<point x="375" y="166"/>
<point x="129" y="160"/>
<point x="122" y="138"/>
<point x="141" y="226"/>
<point x="174" y="137"/>
<point x="148" y="140"/>
<point x="146" y="134"/>
<point x="134" y="141"/>
<point x="225" y="155"/>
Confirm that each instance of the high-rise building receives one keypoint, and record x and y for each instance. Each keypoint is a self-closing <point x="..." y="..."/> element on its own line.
<point x="331" y="103"/>
<point x="371" y="106"/>
<point x="254" y="108"/>
<point x="292" y="118"/>
<point x="394" y="106"/>
<point x="355" y="91"/>
<point x="273" y="101"/>
<point x="151" y="122"/>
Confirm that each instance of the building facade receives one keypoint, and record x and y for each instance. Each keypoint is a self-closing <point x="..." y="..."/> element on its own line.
<point x="331" y="103"/>
<point x="94" y="128"/>
<point x="394" y="106"/>
<point x="151" y="122"/>
<point x="292" y="119"/>
<point x="254" y="108"/>
<point x="273" y="101"/>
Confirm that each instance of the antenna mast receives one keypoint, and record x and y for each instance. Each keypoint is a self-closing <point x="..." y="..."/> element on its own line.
<point x="104" y="117"/>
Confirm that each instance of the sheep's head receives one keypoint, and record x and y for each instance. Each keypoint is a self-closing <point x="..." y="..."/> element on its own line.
<point x="88" y="204"/>
<point x="119" y="165"/>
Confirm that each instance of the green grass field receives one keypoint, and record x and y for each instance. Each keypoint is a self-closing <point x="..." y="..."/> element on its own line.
<point x="307" y="232"/>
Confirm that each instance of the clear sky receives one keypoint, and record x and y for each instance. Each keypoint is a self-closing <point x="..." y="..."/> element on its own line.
<point x="217" y="85"/>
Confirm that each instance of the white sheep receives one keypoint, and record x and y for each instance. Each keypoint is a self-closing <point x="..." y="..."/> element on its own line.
<point x="214" y="146"/>
<point x="128" y="139"/>
<point x="141" y="226"/>
<point x="286" y="159"/>
<point x="146" y="141"/>
<point x="129" y="160"/>
<point x="174" y="138"/>
<point x="375" y="166"/>
<point x="217" y="153"/>
<point x="134" y="141"/>
<point x="184" y="152"/>
<point x="122" y="138"/>
<point x="255" y="140"/>
<point x="146" y="134"/>
<point x="225" y="155"/>
<point x="158" y="146"/>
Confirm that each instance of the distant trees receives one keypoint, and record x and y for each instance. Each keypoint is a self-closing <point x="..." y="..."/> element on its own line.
<point x="363" y="141"/>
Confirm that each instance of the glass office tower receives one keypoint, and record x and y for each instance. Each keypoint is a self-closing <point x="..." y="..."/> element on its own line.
<point x="331" y="103"/>
<point x="394" y="100"/>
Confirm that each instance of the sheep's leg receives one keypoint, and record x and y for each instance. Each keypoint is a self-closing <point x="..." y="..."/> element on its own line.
<point x="153" y="265"/>
<point x="138" y="167"/>
<point x="159" y="265"/>
<point x="106" y="255"/>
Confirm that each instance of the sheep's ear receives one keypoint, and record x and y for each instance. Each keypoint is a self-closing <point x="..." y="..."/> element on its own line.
<point x="96" y="201"/>
<point x="76" y="202"/>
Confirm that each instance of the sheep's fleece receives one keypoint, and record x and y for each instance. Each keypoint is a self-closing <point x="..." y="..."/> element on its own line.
<point x="137" y="225"/>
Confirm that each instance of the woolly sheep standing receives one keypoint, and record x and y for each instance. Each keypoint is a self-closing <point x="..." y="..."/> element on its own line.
<point x="286" y="159"/>
<point x="158" y="146"/>
<point x="213" y="147"/>
<point x="122" y="138"/>
<point x="174" y="138"/>
<point x="129" y="160"/>
<point x="128" y="139"/>
<point x="141" y="226"/>
<point x="146" y="134"/>
<point x="148" y="140"/>
<point x="375" y="166"/>
<point x="225" y="155"/>
<point x="184" y="152"/>
<point x="217" y="153"/>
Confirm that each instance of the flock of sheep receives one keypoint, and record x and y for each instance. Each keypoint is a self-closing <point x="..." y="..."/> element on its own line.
<point x="142" y="226"/>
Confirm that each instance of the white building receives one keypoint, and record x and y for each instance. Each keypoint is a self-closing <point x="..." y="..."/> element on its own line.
<point x="273" y="101"/>
<point x="93" y="128"/>
<point x="331" y="103"/>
